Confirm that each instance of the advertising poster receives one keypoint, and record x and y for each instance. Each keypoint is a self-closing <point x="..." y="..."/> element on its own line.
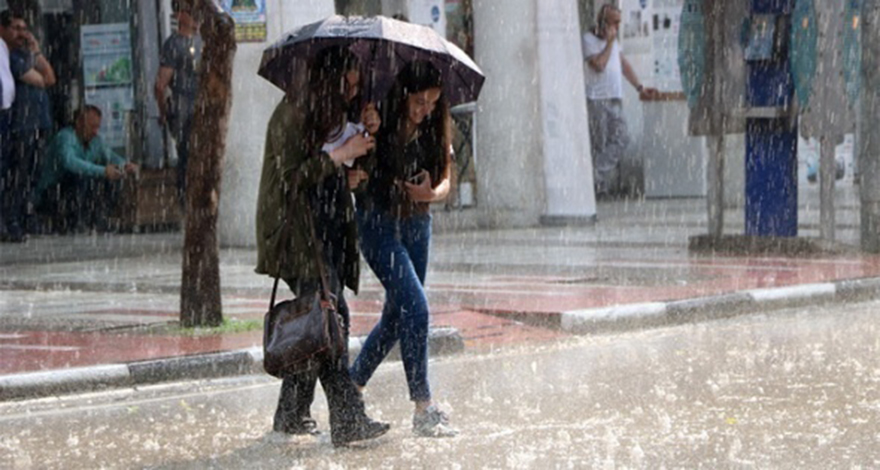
<point x="666" y="24"/>
<point x="107" y="73"/>
<point x="106" y="52"/>
<point x="430" y="13"/>
<point x="250" y="19"/>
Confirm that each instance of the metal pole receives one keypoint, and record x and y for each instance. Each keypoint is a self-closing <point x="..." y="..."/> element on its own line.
<point x="827" y="19"/>
<point x="715" y="197"/>
<point x="715" y="141"/>
<point x="869" y="142"/>
<point x="827" y="169"/>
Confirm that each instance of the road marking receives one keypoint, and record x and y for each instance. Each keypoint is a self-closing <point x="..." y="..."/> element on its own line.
<point x="133" y="403"/>
<point x="26" y="347"/>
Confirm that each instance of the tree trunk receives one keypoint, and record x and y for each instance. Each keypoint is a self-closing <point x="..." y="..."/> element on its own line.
<point x="200" y="286"/>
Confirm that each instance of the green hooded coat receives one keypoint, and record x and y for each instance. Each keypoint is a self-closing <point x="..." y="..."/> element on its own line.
<point x="293" y="257"/>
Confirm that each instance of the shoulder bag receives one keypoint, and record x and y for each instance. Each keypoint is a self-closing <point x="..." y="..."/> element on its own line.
<point x="300" y="334"/>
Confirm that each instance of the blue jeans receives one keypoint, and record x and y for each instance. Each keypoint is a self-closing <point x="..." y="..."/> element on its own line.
<point x="397" y="252"/>
<point x="181" y="132"/>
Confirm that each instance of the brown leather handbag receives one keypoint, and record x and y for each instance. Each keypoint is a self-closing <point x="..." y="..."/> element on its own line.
<point x="300" y="334"/>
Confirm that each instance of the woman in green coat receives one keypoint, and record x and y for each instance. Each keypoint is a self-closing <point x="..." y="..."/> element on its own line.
<point x="295" y="162"/>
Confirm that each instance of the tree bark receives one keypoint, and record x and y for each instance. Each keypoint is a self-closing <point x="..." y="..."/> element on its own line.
<point x="200" y="303"/>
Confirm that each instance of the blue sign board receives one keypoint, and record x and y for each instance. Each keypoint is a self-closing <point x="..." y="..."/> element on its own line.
<point x="771" y="143"/>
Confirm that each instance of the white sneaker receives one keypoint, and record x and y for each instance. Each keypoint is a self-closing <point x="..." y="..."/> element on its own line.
<point x="433" y="423"/>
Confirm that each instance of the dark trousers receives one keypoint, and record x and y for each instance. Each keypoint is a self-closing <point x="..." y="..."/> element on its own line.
<point x="5" y="165"/>
<point x="298" y="391"/>
<point x="78" y="203"/>
<point x="21" y="170"/>
<point x="181" y="129"/>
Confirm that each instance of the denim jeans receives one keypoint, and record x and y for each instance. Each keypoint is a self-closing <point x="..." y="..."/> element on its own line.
<point x="397" y="252"/>
<point x="181" y="132"/>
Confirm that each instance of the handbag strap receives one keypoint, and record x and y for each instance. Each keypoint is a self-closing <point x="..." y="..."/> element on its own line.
<point x="319" y="252"/>
<point x="319" y="255"/>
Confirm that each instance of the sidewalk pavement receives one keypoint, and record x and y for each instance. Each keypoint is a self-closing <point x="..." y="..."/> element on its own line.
<point x="86" y="312"/>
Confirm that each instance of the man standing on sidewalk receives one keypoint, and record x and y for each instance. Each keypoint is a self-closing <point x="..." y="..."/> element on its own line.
<point x="8" y="39"/>
<point x="178" y="69"/>
<point x="605" y="69"/>
<point x="31" y="126"/>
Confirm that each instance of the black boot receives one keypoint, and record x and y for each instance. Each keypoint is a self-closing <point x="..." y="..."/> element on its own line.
<point x="292" y="414"/>
<point x="359" y="430"/>
<point x="303" y="426"/>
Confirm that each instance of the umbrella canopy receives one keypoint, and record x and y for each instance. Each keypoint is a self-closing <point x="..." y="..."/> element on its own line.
<point x="383" y="45"/>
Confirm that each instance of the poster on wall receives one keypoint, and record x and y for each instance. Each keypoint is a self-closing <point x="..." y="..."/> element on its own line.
<point x="250" y="19"/>
<point x="106" y="53"/>
<point x="430" y="13"/>
<point x="107" y="75"/>
<point x="665" y="25"/>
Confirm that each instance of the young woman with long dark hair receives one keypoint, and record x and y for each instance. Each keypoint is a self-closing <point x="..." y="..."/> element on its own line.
<point x="409" y="170"/>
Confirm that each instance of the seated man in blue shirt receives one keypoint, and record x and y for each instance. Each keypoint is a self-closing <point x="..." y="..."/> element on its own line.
<point x="80" y="182"/>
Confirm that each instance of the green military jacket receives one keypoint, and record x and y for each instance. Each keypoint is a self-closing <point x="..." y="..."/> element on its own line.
<point x="293" y="257"/>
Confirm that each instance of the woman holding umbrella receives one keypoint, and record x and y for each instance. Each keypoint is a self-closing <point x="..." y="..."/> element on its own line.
<point x="297" y="171"/>
<point x="409" y="170"/>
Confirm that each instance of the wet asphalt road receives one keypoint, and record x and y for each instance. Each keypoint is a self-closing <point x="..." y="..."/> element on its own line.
<point x="792" y="389"/>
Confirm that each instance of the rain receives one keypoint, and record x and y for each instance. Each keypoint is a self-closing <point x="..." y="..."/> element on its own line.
<point x="646" y="237"/>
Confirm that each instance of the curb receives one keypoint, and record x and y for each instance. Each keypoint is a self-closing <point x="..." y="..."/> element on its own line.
<point x="642" y="315"/>
<point x="441" y="342"/>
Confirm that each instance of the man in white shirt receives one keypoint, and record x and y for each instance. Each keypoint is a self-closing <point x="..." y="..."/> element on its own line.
<point x="605" y="68"/>
<point x="8" y="39"/>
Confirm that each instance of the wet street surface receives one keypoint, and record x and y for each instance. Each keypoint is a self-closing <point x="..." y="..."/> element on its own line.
<point x="792" y="389"/>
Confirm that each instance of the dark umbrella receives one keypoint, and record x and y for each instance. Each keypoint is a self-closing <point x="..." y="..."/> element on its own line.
<point x="383" y="45"/>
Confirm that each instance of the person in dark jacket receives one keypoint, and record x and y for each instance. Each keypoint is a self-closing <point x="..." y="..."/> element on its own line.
<point x="31" y="128"/>
<point x="295" y="162"/>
